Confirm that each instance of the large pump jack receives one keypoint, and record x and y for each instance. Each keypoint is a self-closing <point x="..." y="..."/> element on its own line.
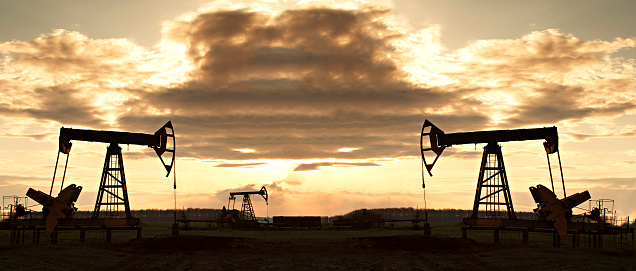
<point x="493" y="190"/>
<point x="112" y="193"/>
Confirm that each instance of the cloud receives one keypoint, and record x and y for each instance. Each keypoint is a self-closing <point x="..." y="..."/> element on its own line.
<point x="297" y="85"/>
<point x="62" y="57"/>
<point x="61" y="76"/>
<point x="547" y="77"/>
<point x="240" y="165"/>
<point x="8" y="180"/>
<point x="609" y="183"/>
<point x="284" y="197"/>
<point x="34" y="137"/>
<point x="316" y="166"/>
<point x="307" y="45"/>
<point x="305" y="82"/>
<point x="580" y="136"/>
<point x="303" y="79"/>
<point x="221" y="197"/>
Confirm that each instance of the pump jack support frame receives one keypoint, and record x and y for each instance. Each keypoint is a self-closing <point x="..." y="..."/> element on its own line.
<point x="493" y="179"/>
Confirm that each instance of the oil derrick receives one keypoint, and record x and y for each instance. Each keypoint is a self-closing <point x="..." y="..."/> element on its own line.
<point x="493" y="191"/>
<point x="247" y="210"/>
<point x="112" y="186"/>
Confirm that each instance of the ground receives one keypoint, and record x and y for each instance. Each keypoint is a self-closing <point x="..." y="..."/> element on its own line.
<point x="308" y="250"/>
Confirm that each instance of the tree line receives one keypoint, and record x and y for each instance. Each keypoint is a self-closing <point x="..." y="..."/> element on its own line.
<point x="433" y="215"/>
<point x="160" y="215"/>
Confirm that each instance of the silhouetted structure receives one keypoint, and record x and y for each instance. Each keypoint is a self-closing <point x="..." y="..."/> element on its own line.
<point x="492" y="180"/>
<point x="112" y="194"/>
<point x="493" y="193"/>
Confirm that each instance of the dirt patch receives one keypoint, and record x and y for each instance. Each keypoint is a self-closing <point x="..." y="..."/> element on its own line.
<point x="402" y="252"/>
<point x="205" y="243"/>
<point x="183" y="243"/>
<point x="422" y="243"/>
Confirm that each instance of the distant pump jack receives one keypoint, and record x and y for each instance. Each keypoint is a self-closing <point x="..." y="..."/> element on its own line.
<point x="247" y="210"/>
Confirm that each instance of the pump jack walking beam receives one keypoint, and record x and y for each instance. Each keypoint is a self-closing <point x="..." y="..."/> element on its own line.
<point x="440" y="140"/>
<point x="158" y="141"/>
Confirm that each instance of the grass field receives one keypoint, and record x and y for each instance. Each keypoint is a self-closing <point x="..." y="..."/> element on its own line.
<point x="328" y="248"/>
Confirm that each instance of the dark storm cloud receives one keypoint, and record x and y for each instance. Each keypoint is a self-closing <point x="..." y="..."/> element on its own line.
<point x="321" y="48"/>
<point x="60" y="103"/>
<point x="298" y="137"/>
<point x="558" y="103"/>
<point x="301" y="85"/>
<point x="288" y="96"/>
<point x="56" y="103"/>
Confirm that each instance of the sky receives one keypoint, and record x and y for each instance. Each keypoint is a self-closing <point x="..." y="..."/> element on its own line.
<point x="321" y="102"/>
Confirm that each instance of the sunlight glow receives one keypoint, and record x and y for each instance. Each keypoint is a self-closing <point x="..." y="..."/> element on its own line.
<point x="110" y="102"/>
<point x="347" y="149"/>
<point x="245" y="150"/>
<point x="170" y="65"/>
<point x="335" y="118"/>
<point x="425" y="59"/>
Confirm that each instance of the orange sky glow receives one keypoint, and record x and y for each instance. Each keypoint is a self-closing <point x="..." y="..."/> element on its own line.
<point x="322" y="102"/>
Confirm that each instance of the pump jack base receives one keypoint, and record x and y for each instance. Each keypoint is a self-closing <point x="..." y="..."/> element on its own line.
<point x="19" y="227"/>
<point x="102" y="222"/>
<point x="574" y="229"/>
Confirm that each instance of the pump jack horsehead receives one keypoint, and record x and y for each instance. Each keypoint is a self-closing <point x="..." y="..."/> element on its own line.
<point x="113" y="181"/>
<point x="492" y="175"/>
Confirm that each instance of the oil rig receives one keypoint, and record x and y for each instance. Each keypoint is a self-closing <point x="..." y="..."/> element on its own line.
<point x="493" y="209"/>
<point x="112" y="208"/>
